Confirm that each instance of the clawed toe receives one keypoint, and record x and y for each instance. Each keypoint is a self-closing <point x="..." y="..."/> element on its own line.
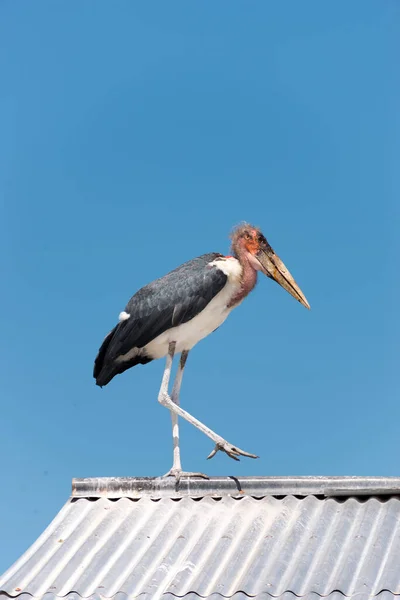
<point x="232" y="451"/>
<point x="178" y="474"/>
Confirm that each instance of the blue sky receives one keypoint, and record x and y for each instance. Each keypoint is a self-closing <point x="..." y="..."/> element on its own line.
<point x="133" y="137"/>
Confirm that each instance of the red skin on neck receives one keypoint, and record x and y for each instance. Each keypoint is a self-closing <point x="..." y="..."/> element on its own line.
<point x="249" y="275"/>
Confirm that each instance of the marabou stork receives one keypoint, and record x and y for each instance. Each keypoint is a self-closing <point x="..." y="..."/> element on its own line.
<point x="173" y="313"/>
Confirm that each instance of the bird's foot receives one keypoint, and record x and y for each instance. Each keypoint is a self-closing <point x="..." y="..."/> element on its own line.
<point x="178" y="474"/>
<point x="232" y="451"/>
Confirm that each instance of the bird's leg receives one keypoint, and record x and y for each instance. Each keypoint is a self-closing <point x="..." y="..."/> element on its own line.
<point x="176" y="470"/>
<point x="164" y="399"/>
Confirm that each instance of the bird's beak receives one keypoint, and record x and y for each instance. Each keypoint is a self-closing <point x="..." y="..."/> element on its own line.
<point x="273" y="267"/>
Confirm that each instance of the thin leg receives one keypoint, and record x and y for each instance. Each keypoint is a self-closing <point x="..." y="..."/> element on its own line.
<point x="175" y="398"/>
<point x="164" y="399"/>
<point x="176" y="470"/>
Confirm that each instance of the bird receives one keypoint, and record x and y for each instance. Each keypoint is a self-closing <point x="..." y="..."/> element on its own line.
<point x="170" y="315"/>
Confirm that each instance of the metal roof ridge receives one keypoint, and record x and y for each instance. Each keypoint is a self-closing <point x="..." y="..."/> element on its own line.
<point x="158" y="487"/>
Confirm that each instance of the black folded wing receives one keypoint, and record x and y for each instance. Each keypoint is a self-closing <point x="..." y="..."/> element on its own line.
<point x="167" y="302"/>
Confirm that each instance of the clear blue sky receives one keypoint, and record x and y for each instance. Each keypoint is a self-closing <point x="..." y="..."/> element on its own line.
<point x="133" y="137"/>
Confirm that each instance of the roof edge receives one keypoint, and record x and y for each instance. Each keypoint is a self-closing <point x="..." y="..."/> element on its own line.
<point x="158" y="487"/>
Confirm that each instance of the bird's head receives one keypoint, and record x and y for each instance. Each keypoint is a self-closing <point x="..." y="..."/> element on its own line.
<point x="248" y="243"/>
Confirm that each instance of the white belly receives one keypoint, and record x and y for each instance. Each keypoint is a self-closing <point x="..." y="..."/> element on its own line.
<point x="188" y="334"/>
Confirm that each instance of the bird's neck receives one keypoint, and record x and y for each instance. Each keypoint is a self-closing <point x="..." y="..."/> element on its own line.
<point x="247" y="281"/>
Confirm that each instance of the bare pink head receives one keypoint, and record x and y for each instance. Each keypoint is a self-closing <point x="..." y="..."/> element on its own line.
<point x="253" y="251"/>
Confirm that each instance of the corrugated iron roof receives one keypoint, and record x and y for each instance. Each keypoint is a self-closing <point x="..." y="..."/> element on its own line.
<point x="239" y="596"/>
<point x="218" y="544"/>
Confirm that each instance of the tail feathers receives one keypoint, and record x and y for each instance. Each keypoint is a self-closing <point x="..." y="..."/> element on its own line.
<point x="116" y="368"/>
<point x="105" y="368"/>
<point x="99" y="360"/>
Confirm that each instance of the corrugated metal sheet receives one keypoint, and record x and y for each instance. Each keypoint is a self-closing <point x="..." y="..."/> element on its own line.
<point x="238" y="596"/>
<point x="267" y="546"/>
<point x="285" y="596"/>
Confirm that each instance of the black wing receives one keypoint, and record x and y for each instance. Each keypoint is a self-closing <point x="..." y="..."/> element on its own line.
<point x="166" y="302"/>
